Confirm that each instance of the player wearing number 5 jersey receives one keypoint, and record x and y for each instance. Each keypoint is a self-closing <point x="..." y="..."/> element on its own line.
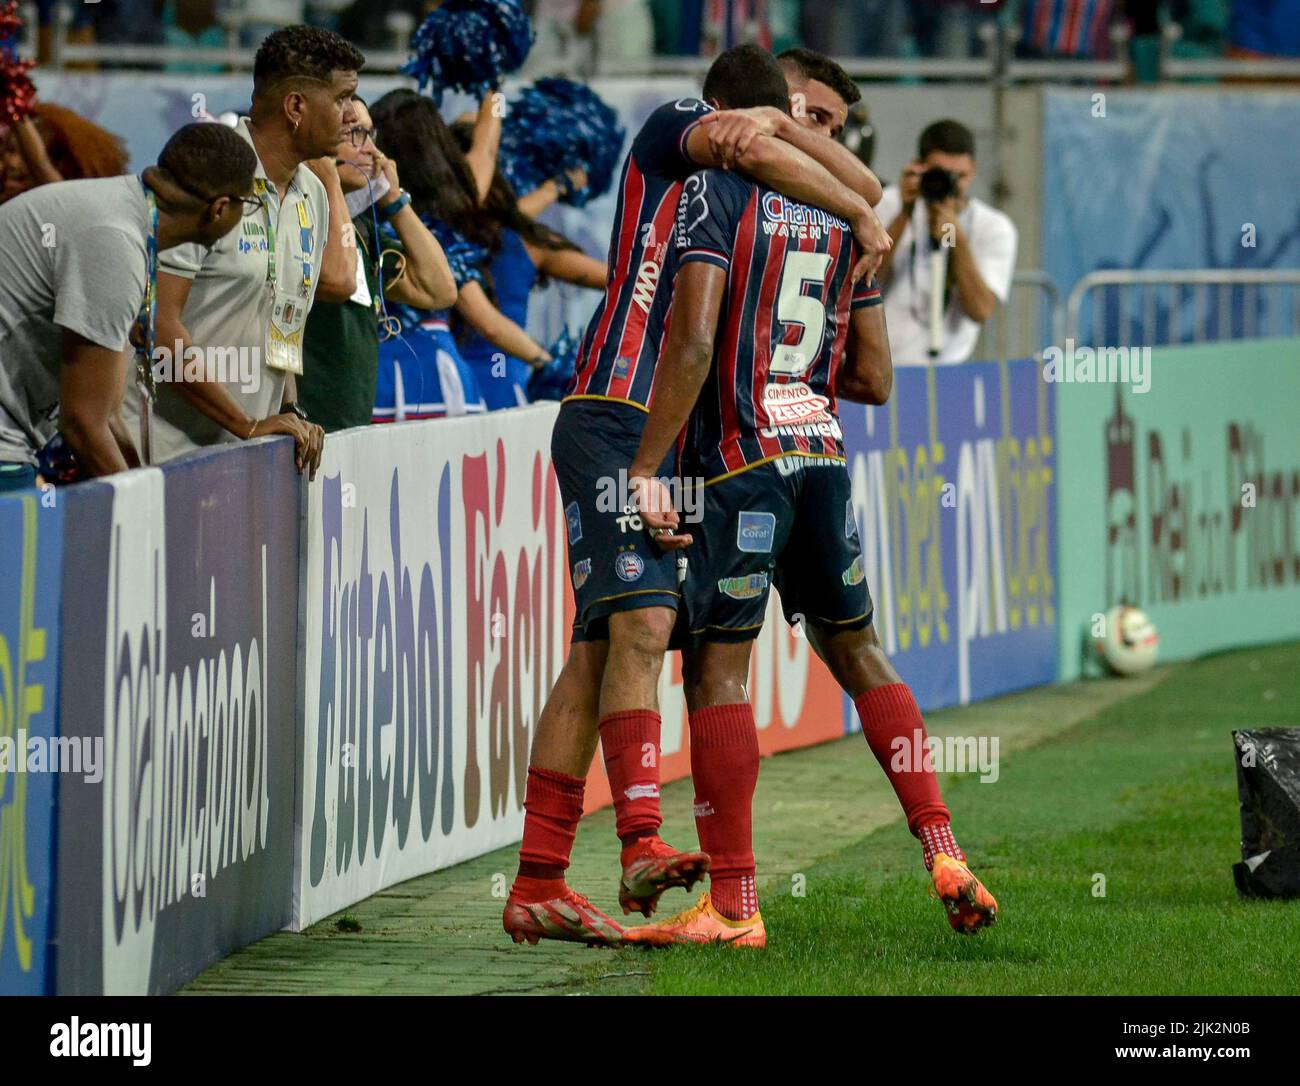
<point x="626" y="584"/>
<point x="765" y="312"/>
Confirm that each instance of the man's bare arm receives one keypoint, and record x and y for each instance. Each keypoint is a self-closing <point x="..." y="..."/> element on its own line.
<point x="90" y="389"/>
<point x="782" y="166"/>
<point x="211" y="397"/>
<point x="868" y="373"/>
<point x="687" y="356"/>
<point x="843" y="164"/>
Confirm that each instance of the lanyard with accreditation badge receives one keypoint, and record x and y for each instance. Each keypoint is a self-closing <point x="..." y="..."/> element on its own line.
<point x="288" y="310"/>
<point x="142" y="334"/>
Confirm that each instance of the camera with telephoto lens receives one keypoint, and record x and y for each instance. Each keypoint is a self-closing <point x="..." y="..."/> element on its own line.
<point x="938" y="184"/>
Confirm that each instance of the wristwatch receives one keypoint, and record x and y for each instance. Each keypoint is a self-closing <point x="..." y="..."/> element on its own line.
<point x="295" y="408"/>
<point x="403" y="200"/>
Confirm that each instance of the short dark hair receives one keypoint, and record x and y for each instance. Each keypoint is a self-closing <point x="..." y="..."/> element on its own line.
<point x="302" y="52"/>
<point x="207" y="159"/>
<point x="818" y="66"/>
<point x="744" y="77"/>
<point x="948" y="137"/>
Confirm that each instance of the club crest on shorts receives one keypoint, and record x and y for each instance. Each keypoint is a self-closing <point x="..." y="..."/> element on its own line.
<point x="755" y="532"/>
<point x="855" y="574"/>
<point x="581" y="571"/>
<point x="628" y="566"/>
<point x="573" y="518"/>
<point x="850" y="521"/>
<point x="743" y="588"/>
<point x="621" y="366"/>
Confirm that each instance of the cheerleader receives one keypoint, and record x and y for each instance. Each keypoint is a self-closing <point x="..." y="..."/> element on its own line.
<point x="447" y="187"/>
<point x="525" y="254"/>
<point x="56" y="144"/>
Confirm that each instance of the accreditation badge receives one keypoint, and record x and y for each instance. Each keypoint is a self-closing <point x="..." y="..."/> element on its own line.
<point x="284" y="342"/>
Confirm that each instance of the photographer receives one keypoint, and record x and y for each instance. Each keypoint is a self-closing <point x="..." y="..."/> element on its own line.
<point x="929" y="215"/>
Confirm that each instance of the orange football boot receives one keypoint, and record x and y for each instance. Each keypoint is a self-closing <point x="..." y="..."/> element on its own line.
<point x="701" y="923"/>
<point x="969" y="906"/>
<point x="570" y="917"/>
<point x="653" y="867"/>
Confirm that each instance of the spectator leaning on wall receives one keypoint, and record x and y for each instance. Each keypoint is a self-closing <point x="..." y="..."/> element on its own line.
<point x="239" y="306"/>
<point x="74" y="264"/>
<point x="980" y="242"/>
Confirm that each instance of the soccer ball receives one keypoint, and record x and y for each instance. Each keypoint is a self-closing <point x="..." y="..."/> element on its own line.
<point x="1130" y="641"/>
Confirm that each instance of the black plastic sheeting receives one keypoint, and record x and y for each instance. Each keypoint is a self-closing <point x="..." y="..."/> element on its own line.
<point x="1268" y="786"/>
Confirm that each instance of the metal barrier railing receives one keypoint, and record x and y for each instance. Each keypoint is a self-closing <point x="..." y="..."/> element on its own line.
<point x="1158" y="308"/>
<point x="1022" y="326"/>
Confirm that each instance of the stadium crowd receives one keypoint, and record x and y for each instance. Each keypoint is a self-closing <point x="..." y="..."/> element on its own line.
<point x="380" y="275"/>
<point x="573" y="33"/>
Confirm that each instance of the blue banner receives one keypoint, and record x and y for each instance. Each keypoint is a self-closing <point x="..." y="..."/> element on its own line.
<point x="1180" y="179"/>
<point x="954" y="492"/>
<point x="31" y="536"/>
<point x="182" y="604"/>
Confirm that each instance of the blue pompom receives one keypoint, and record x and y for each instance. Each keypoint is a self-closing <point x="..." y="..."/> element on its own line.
<point x="554" y="126"/>
<point x="551" y="381"/>
<point x="468" y="45"/>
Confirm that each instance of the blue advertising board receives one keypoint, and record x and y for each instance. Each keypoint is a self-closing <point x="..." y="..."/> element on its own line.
<point x="182" y="601"/>
<point x="31" y="536"/>
<point x="954" y="494"/>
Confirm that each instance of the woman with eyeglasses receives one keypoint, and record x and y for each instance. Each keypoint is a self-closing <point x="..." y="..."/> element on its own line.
<point x="525" y="254"/>
<point x="399" y="262"/>
<point x="448" y="188"/>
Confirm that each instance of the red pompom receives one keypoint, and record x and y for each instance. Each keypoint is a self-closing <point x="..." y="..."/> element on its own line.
<point x="17" y="93"/>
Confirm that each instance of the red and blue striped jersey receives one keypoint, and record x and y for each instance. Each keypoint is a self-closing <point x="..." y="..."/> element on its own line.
<point x="783" y="327"/>
<point x="617" y="355"/>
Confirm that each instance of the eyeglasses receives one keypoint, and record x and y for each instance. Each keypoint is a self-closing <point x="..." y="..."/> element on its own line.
<point x="358" y="136"/>
<point x="252" y="204"/>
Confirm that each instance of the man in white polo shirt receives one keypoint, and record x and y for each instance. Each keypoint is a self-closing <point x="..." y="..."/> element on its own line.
<point x="240" y="306"/>
<point x="978" y="241"/>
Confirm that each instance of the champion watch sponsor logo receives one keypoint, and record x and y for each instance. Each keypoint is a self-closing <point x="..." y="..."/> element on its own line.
<point x="745" y="587"/>
<point x="628" y="566"/>
<point x="776" y="208"/>
<point x="581" y="571"/>
<point x="855" y="574"/>
<point x="573" y="518"/>
<point x="755" y="532"/>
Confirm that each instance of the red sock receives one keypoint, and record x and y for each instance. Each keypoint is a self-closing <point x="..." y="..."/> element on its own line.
<point x="937" y="837"/>
<point x="552" y="808"/>
<point x="629" y="741"/>
<point x="724" y="765"/>
<point x="895" y="731"/>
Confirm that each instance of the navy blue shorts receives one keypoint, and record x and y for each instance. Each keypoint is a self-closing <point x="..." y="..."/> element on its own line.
<point x="613" y="564"/>
<point x="787" y="523"/>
